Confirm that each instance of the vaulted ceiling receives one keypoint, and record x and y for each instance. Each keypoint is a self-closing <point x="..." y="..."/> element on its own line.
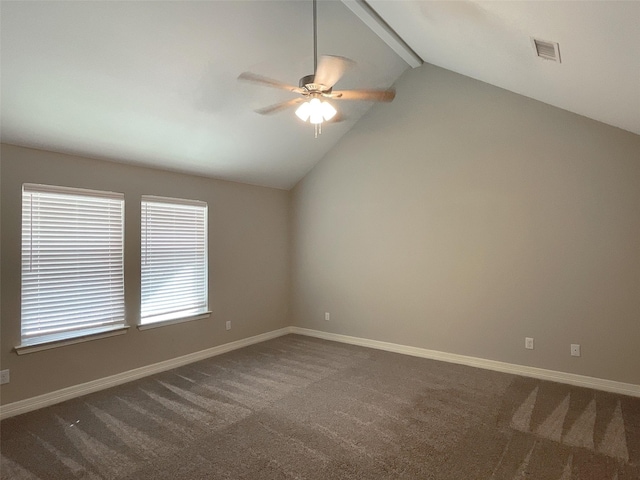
<point x="155" y="83"/>
<point x="599" y="73"/>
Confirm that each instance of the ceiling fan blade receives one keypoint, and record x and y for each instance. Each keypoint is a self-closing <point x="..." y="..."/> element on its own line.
<point x="330" y="69"/>
<point x="275" y="108"/>
<point x="267" y="82"/>
<point x="370" y="95"/>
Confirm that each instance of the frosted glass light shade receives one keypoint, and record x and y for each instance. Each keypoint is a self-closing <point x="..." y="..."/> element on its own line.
<point x="303" y="111"/>
<point x="328" y="112"/>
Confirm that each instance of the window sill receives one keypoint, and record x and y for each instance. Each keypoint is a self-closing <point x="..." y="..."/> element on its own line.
<point x="173" y="321"/>
<point x="86" y="337"/>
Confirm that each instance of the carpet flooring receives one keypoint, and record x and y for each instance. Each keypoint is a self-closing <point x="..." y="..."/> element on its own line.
<point x="303" y="408"/>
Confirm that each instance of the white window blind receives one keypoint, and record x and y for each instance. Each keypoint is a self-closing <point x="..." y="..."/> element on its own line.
<point x="72" y="262"/>
<point x="174" y="259"/>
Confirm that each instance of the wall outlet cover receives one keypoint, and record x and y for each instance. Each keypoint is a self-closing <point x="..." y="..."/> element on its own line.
<point x="575" y="350"/>
<point x="4" y="376"/>
<point x="528" y="343"/>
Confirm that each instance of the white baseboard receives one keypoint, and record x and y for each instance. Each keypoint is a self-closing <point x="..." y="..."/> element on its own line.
<point x="34" y="403"/>
<point x="541" y="373"/>
<point x="41" y="401"/>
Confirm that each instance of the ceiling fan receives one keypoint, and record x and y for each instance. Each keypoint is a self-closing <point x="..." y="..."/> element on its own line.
<point x="314" y="89"/>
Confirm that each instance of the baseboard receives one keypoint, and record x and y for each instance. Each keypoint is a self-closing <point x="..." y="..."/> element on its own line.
<point x="41" y="401"/>
<point x="34" y="403"/>
<point x="541" y="373"/>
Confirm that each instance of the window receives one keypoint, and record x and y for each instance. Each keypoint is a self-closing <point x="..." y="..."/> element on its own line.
<point x="72" y="263"/>
<point x="174" y="260"/>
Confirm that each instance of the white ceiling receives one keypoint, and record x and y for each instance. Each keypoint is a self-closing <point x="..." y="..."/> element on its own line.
<point x="154" y="83"/>
<point x="599" y="76"/>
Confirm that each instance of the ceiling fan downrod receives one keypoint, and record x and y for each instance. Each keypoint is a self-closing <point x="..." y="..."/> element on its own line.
<point x="315" y="37"/>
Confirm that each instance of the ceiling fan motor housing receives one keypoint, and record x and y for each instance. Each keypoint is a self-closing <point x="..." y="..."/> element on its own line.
<point x="307" y="82"/>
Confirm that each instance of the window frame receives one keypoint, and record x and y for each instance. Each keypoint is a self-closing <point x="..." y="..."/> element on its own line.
<point x="79" y="212"/>
<point x="197" y="312"/>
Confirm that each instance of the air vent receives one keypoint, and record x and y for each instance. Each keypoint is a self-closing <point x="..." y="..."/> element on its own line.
<point x="546" y="50"/>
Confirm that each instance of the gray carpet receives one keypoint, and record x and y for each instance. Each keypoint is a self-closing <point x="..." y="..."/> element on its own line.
<point x="303" y="408"/>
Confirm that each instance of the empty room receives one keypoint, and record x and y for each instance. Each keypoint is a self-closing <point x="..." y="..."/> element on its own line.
<point x="320" y="239"/>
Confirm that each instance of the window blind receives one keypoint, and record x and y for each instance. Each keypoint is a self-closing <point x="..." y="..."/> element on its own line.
<point x="72" y="262"/>
<point x="174" y="259"/>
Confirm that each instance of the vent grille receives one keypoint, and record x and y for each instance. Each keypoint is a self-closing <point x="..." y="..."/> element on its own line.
<point x="546" y="50"/>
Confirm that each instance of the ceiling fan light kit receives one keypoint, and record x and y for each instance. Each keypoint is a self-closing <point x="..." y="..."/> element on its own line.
<point x="316" y="111"/>
<point x="315" y="88"/>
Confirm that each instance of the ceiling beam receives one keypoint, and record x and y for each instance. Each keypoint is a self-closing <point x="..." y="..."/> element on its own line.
<point x="381" y="28"/>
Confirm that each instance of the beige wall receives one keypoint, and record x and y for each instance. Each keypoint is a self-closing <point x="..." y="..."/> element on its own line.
<point x="248" y="269"/>
<point x="459" y="218"/>
<point x="462" y="218"/>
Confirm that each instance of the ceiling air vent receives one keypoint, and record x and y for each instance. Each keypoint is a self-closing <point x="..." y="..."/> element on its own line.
<point x="546" y="50"/>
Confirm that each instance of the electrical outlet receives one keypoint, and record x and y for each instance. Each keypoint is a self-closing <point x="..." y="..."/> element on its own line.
<point x="575" y="350"/>
<point x="228" y="324"/>
<point x="528" y="343"/>
<point x="4" y="376"/>
<point x="327" y="316"/>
